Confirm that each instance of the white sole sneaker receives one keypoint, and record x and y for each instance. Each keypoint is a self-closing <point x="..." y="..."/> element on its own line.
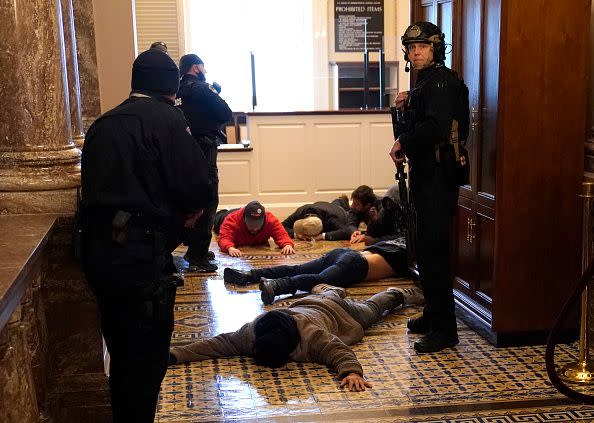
<point x="321" y="288"/>
<point x="412" y="296"/>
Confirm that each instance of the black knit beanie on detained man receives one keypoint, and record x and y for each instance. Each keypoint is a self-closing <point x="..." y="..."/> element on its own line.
<point x="154" y="71"/>
<point x="276" y="337"/>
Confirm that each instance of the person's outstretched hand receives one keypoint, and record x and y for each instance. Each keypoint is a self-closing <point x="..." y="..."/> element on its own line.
<point x="357" y="237"/>
<point x="288" y="249"/>
<point x="234" y="252"/>
<point x="355" y="382"/>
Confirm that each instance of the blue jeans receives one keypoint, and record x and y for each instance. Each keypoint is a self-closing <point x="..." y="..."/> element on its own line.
<point x="341" y="267"/>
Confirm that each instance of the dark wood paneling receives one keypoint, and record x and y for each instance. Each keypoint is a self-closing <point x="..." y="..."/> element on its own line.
<point x="542" y="120"/>
<point x="489" y="86"/>
<point x="485" y="240"/>
<point x="465" y="253"/>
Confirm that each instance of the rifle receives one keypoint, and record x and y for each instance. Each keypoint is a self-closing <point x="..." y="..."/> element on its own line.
<point x="399" y="125"/>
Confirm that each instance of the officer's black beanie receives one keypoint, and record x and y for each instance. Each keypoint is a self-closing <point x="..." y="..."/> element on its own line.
<point x="276" y="336"/>
<point x="153" y="70"/>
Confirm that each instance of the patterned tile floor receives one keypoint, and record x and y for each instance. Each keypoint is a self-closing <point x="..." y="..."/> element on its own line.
<point x="473" y="383"/>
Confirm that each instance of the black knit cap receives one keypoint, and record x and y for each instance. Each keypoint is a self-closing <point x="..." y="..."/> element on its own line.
<point x="276" y="337"/>
<point x="154" y="71"/>
<point x="186" y="62"/>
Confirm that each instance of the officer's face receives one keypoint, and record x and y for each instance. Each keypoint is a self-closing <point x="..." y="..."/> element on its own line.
<point x="420" y="55"/>
<point x="200" y="68"/>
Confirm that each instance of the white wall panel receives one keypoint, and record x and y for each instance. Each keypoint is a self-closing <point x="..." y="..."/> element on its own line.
<point x="335" y="158"/>
<point x="282" y="158"/>
<point x="299" y="159"/>
<point x="234" y="177"/>
<point x="381" y="166"/>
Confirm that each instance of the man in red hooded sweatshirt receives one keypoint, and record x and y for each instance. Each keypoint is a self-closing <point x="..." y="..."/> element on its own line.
<point x="252" y="225"/>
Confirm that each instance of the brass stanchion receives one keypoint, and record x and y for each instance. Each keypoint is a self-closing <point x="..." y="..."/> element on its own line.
<point x="582" y="371"/>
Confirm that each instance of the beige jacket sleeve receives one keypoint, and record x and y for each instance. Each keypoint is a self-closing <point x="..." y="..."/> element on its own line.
<point x="232" y="344"/>
<point x="328" y="349"/>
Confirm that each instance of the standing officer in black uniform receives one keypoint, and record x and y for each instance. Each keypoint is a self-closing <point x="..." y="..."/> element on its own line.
<point x="423" y="134"/>
<point x="143" y="178"/>
<point x="206" y="111"/>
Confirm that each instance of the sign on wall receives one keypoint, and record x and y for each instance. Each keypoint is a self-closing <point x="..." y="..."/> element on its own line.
<point x="349" y="25"/>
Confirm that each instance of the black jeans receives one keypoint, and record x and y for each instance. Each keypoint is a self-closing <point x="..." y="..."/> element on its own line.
<point x="136" y="321"/>
<point x="341" y="267"/>
<point x="435" y="203"/>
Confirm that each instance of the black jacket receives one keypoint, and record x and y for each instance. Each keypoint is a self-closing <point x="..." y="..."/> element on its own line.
<point x="334" y="219"/>
<point x="433" y="101"/>
<point x="140" y="157"/>
<point x="390" y="223"/>
<point x="205" y="110"/>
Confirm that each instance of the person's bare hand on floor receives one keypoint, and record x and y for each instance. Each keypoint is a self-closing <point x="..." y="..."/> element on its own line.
<point x="288" y="249"/>
<point x="355" y="382"/>
<point x="234" y="252"/>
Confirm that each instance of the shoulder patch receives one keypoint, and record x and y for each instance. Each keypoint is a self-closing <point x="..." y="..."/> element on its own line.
<point x="213" y="89"/>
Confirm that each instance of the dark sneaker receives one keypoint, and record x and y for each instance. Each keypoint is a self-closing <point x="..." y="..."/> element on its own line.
<point x="418" y="325"/>
<point x="210" y="255"/>
<point x="268" y="288"/>
<point x="436" y="341"/>
<point x="200" y="265"/>
<point x="237" y="277"/>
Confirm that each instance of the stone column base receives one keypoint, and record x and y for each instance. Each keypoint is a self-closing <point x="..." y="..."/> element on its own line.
<point x="61" y="201"/>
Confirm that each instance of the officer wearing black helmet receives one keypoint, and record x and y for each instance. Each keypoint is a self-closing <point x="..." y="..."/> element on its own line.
<point x="424" y="133"/>
<point x="206" y="111"/>
<point x="143" y="179"/>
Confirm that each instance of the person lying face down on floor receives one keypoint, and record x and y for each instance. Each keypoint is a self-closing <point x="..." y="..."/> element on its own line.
<point x="316" y="329"/>
<point x="388" y="223"/>
<point x="252" y="225"/>
<point x="341" y="266"/>
<point x="320" y="221"/>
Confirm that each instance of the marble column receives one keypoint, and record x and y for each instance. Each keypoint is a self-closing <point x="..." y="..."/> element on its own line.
<point x="39" y="163"/>
<point x="87" y="61"/>
<point x="78" y="136"/>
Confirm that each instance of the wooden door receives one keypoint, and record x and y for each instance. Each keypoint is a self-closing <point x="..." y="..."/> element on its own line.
<point x="489" y="97"/>
<point x="465" y="248"/>
<point x="469" y="65"/>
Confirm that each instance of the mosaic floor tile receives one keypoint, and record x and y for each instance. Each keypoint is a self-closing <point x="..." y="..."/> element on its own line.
<point x="474" y="382"/>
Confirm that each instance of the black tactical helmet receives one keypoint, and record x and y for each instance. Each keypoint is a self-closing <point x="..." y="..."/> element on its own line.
<point x="428" y="33"/>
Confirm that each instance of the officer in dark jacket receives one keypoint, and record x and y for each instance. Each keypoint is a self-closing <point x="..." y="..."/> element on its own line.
<point x="206" y="111"/>
<point x="423" y="134"/>
<point x="332" y="216"/>
<point x="143" y="178"/>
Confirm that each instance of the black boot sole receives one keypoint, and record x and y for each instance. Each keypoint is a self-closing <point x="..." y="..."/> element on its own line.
<point x="267" y="294"/>
<point x="432" y="347"/>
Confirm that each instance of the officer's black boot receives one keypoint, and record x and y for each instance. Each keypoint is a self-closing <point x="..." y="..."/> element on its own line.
<point x="272" y="287"/>
<point x="418" y="324"/>
<point x="435" y="341"/>
<point x="200" y="264"/>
